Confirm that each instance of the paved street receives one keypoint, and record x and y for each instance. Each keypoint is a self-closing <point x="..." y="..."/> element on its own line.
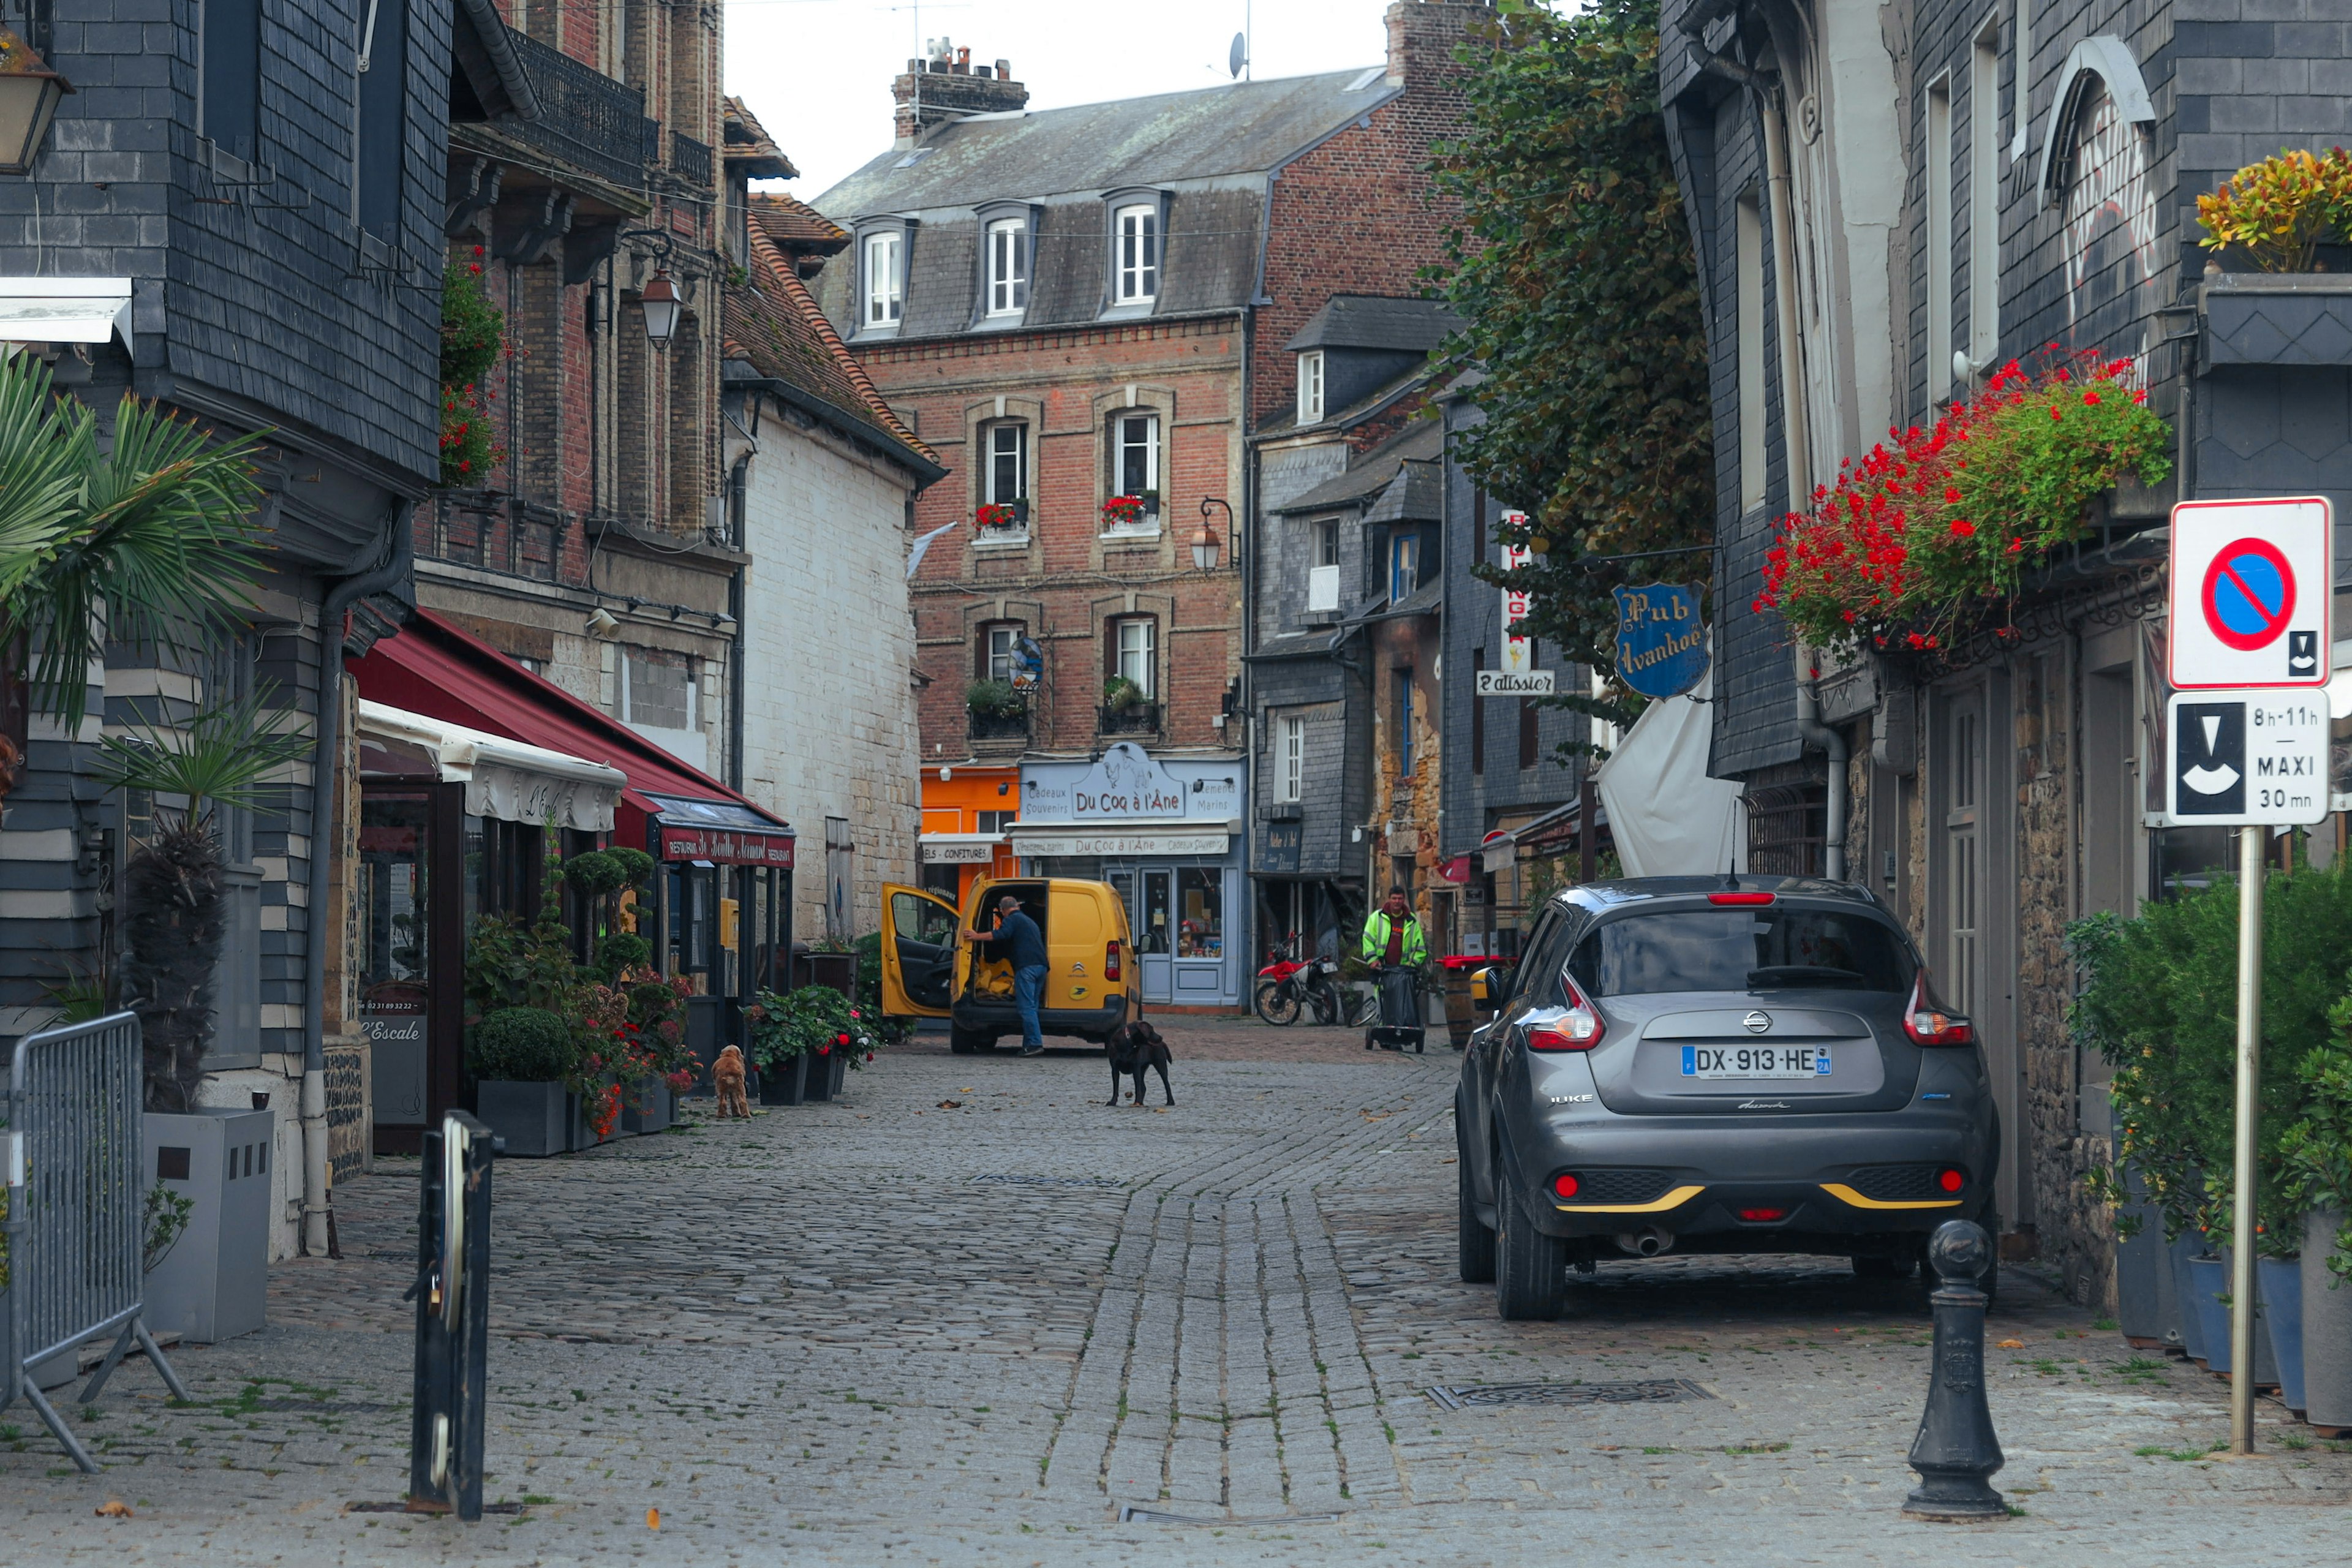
<point x="972" y="1314"/>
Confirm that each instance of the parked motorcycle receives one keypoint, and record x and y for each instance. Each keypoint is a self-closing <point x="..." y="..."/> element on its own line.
<point x="1288" y="987"/>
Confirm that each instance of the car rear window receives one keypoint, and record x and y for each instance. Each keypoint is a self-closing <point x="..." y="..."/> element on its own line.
<point x="1776" y="949"/>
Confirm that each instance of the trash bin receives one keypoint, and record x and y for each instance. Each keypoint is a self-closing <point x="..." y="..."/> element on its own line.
<point x="1400" y="1019"/>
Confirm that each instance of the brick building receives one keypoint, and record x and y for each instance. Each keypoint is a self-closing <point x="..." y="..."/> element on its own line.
<point x="1085" y="313"/>
<point x="1883" y="210"/>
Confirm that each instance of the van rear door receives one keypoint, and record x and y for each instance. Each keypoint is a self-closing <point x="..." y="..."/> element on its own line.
<point x="919" y="953"/>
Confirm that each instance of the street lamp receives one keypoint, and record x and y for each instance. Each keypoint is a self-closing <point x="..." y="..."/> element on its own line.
<point x="1206" y="545"/>
<point x="29" y="91"/>
<point x="661" y="304"/>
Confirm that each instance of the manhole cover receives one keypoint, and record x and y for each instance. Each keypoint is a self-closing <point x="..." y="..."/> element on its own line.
<point x="1487" y="1395"/>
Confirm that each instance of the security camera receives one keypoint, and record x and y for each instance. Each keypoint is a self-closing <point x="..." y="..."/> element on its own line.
<point x="602" y="623"/>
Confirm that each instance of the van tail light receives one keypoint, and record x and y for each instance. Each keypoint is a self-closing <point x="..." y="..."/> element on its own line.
<point x="1577" y="1029"/>
<point x="1930" y="1023"/>
<point x="1110" y="959"/>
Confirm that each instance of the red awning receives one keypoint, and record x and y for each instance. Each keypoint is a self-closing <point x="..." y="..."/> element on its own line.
<point x="433" y="669"/>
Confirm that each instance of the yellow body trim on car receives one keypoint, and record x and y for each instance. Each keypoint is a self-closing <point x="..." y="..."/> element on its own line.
<point x="1675" y="1199"/>
<point x="1840" y="1191"/>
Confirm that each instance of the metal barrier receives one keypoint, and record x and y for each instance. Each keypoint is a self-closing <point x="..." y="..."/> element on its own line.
<point x="77" y="1210"/>
<point x="453" y="1320"/>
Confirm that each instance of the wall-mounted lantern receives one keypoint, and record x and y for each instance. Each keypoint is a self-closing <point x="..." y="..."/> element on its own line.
<point x="29" y="91"/>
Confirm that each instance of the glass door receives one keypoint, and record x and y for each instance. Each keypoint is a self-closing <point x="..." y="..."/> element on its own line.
<point x="1199" y="966"/>
<point x="1155" y="936"/>
<point x="395" y="991"/>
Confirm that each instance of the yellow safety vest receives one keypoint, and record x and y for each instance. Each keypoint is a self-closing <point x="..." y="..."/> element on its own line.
<point x="1376" y="940"/>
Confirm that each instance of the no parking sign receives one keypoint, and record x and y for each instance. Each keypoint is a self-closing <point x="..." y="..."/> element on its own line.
<point x="2250" y="594"/>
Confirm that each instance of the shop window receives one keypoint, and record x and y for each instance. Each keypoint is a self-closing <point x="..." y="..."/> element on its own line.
<point x="996" y="821"/>
<point x="998" y="649"/>
<point x="657" y="689"/>
<point x="1200" y="902"/>
<point x="1132" y="649"/>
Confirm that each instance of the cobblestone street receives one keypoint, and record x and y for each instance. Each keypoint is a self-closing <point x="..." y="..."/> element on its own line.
<point x="971" y="1313"/>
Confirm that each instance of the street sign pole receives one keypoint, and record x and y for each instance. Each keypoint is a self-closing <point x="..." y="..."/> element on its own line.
<point x="2249" y="1075"/>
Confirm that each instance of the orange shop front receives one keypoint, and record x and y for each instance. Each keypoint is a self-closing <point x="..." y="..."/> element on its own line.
<point x="967" y="811"/>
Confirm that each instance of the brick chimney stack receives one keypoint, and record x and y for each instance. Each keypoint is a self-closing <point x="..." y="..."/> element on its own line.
<point x="947" y="87"/>
<point x="1424" y="34"/>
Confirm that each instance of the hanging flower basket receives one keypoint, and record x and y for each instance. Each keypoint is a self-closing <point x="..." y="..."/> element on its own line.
<point x="1933" y="524"/>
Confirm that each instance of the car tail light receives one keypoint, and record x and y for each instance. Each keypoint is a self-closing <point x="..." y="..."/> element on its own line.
<point x="1763" y="1217"/>
<point x="1741" y="897"/>
<point x="1951" y="1181"/>
<point x="1930" y="1023"/>
<point x="1110" y="960"/>
<point x="1577" y="1029"/>
<point x="1566" y="1184"/>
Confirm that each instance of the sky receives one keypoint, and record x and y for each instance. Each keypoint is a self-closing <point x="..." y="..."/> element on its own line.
<point x="817" y="73"/>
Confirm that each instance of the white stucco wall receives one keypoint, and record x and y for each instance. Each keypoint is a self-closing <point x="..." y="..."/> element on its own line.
<point x="829" y="640"/>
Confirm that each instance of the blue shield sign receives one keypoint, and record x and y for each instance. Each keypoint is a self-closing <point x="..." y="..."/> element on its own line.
<point x="1661" y="641"/>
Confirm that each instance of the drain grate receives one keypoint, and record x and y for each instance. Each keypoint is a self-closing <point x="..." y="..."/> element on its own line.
<point x="1493" y="1395"/>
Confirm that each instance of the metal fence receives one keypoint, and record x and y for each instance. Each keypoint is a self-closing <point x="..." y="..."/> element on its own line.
<point x="77" y="1210"/>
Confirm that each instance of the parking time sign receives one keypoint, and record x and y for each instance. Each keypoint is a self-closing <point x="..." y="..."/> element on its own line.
<point x="2250" y="595"/>
<point x="2247" y="758"/>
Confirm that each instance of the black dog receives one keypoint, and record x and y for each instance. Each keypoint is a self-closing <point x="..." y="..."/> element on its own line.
<point x="1135" y="1048"/>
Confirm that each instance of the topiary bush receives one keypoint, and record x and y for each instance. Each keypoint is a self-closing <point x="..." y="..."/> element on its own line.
<point x="524" y="1044"/>
<point x="594" y="874"/>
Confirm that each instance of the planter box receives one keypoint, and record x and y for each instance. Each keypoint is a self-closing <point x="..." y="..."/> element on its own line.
<point x="2282" y="1297"/>
<point x="214" y="1283"/>
<point x="2184" y="1295"/>
<point x="822" y="1075"/>
<point x="2326" y="1326"/>
<point x="785" y="1082"/>
<point x="840" y="1060"/>
<point x="660" y="1108"/>
<point x="535" y="1119"/>
<point x="2145" y="1305"/>
<point x="2212" y="1277"/>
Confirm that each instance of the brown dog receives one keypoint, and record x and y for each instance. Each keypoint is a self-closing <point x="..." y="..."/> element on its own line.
<point x="727" y="1075"/>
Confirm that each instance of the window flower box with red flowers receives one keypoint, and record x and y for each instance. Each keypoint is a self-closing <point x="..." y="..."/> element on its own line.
<point x="1130" y="514"/>
<point x="1938" y="524"/>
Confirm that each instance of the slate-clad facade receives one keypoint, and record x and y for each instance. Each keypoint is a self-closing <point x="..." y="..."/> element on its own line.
<point x="1885" y="207"/>
<point x="282" y="237"/>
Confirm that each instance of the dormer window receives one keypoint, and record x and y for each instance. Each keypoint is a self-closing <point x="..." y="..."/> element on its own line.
<point x="884" y="289"/>
<point x="1136" y="266"/>
<point x="1008" y="266"/>
<point x="1311" y="387"/>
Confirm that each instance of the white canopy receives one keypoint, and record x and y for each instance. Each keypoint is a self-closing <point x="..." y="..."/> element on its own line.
<point x="505" y="779"/>
<point x="1667" y="818"/>
<point x="64" y="310"/>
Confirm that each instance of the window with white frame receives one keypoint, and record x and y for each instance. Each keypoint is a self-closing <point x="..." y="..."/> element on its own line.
<point x="1137" y="231"/>
<point x="1294" y="757"/>
<point x="1310" y="386"/>
<point x="1940" y="273"/>
<point x="1134" y="454"/>
<point x="1008" y="462"/>
<point x="1133" y="650"/>
<point x="1984" y="196"/>
<point x="2020" y="74"/>
<point x="1323" y="575"/>
<point x="1000" y="648"/>
<point x="884" y="297"/>
<point x="1008" y="266"/>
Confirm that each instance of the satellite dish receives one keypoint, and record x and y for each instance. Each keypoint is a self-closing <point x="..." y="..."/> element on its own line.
<point x="1238" y="56"/>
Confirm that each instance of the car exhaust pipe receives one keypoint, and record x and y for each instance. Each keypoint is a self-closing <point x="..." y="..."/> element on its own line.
<point x="1648" y="1243"/>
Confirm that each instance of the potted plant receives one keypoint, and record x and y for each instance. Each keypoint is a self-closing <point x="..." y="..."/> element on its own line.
<point x="2275" y="214"/>
<point x="993" y="699"/>
<point x="1003" y="516"/>
<point x="1122" y="511"/>
<point x="1122" y="695"/>
<point x="792" y="1043"/>
<point x="2318" y="1152"/>
<point x="523" y="1061"/>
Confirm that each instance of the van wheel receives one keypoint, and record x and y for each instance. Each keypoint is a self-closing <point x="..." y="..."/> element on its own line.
<point x="1530" y="1268"/>
<point x="964" y="1042"/>
<point x="1474" y="1242"/>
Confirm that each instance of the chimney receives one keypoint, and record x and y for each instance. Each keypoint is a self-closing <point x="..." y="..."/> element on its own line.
<point x="947" y="88"/>
<point x="1423" y="35"/>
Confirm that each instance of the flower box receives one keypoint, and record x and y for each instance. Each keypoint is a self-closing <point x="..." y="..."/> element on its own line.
<point x="785" y="1082"/>
<point x="535" y="1119"/>
<point x="656" y="1107"/>
<point x="212" y="1284"/>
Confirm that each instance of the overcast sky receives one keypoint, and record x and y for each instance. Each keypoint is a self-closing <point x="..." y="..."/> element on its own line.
<point x="817" y="73"/>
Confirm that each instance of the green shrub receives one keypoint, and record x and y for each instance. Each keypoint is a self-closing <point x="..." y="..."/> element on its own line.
<point x="620" y="949"/>
<point x="812" y="1021"/>
<point x="594" y="874"/>
<point x="522" y="1045"/>
<point x="993" y="699"/>
<point x="637" y="867"/>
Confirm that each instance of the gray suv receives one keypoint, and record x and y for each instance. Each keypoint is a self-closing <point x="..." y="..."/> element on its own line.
<point x="1687" y="1064"/>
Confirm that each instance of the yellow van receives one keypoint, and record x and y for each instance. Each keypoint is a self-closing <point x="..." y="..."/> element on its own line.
<point x="1092" y="986"/>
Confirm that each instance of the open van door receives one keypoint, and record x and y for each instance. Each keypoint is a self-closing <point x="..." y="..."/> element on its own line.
<point x="919" y="953"/>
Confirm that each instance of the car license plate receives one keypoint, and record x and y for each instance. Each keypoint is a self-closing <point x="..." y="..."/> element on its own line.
<point x="1756" y="1061"/>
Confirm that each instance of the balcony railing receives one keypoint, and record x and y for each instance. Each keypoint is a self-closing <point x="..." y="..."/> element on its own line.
<point x="690" y="160"/>
<point x="497" y="533"/>
<point x="586" y="118"/>
<point x="999" y="727"/>
<point x="1142" y="718"/>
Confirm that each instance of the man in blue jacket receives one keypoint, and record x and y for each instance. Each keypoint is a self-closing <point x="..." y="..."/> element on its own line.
<point x="1017" y="938"/>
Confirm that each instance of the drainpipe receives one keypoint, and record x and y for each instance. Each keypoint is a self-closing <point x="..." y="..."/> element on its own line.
<point x="339" y="601"/>
<point x="1816" y="733"/>
<point x="1794" y="432"/>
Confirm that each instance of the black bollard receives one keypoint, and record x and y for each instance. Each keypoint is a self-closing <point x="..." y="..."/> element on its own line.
<point x="1955" y="1452"/>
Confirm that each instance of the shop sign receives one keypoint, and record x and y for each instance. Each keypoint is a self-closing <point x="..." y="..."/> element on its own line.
<point x="1503" y="683"/>
<point x="1661" y="641"/>
<point x="958" y="854"/>
<point x="1129" y="785"/>
<point x="1519" y="602"/>
<point x="1123" y="843"/>
<point x="1282" y="842"/>
<point x="725" y="846"/>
